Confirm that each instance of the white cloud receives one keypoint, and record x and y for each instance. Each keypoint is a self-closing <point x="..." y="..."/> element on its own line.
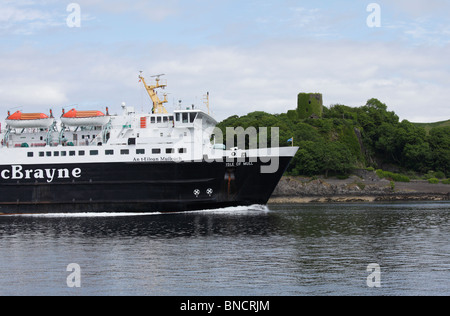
<point x="150" y="9"/>
<point x="240" y="80"/>
<point x="265" y="75"/>
<point x="25" y="17"/>
<point x="417" y="22"/>
<point x="269" y="77"/>
<point x="303" y="17"/>
<point x="418" y="8"/>
<point x="421" y="31"/>
<point x="43" y="95"/>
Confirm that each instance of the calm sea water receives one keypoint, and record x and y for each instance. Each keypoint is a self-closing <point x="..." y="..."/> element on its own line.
<point x="288" y="250"/>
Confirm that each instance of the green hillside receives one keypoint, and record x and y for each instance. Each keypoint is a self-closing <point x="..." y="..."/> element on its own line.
<point x="344" y="138"/>
<point x="429" y="126"/>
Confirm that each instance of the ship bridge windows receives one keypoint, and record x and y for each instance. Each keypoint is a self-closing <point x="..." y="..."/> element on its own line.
<point x="186" y="117"/>
<point x="189" y="117"/>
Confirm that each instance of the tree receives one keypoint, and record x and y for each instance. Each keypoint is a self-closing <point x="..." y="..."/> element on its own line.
<point x="440" y="137"/>
<point x="333" y="144"/>
<point x="321" y="158"/>
<point x="341" y="112"/>
<point x="418" y="157"/>
<point x="307" y="160"/>
<point x="336" y="158"/>
<point x="440" y="146"/>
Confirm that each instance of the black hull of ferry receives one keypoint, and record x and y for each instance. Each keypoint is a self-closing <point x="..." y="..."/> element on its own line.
<point x="135" y="187"/>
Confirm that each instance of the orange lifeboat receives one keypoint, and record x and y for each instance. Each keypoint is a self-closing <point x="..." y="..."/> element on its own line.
<point x="29" y="120"/>
<point x="84" y="118"/>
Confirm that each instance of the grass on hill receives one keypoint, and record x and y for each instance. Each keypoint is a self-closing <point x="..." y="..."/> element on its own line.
<point x="429" y="126"/>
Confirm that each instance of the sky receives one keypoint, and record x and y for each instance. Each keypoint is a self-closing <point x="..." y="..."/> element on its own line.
<point x="251" y="55"/>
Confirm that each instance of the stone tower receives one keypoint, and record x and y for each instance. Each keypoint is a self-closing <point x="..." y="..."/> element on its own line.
<point x="309" y="105"/>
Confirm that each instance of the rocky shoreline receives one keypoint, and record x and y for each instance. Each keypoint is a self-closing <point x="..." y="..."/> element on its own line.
<point x="363" y="187"/>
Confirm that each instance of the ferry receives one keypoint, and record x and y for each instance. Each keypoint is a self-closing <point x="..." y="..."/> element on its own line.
<point x="155" y="161"/>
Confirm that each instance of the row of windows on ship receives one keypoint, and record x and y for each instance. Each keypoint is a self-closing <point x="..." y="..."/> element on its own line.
<point x="179" y="117"/>
<point x="108" y="152"/>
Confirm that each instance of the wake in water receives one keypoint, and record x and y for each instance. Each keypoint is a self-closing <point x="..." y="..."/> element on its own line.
<point x="236" y="210"/>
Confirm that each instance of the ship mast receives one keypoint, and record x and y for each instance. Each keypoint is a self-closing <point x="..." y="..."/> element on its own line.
<point x="158" y="105"/>
<point x="206" y="100"/>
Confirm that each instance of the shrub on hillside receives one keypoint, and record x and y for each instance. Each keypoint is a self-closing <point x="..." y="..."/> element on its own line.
<point x="392" y="176"/>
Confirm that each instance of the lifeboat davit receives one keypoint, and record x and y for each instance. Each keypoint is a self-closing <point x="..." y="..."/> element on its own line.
<point x="29" y="120"/>
<point x="84" y="118"/>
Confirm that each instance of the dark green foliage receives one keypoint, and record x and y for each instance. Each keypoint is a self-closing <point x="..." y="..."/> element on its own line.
<point x="292" y="115"/>
<point x="321" y="158"/>
<point x="345" y="138"/>
<point x="439" y="141"/>
<point x="392" y="176"/>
